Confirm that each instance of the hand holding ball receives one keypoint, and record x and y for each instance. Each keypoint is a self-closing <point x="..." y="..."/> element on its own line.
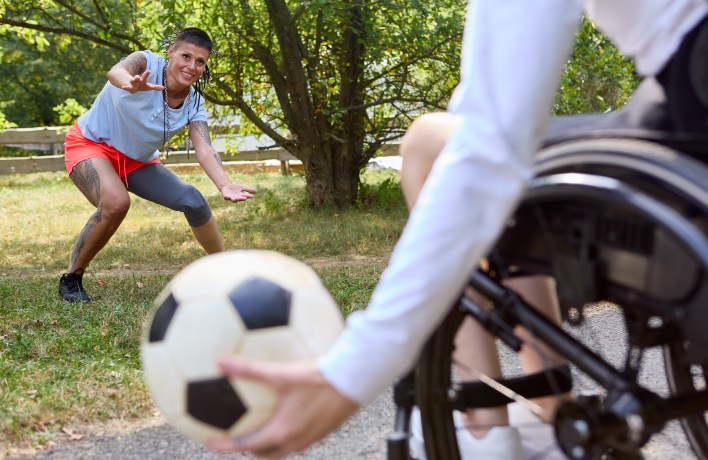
<point x="257" y="304"/>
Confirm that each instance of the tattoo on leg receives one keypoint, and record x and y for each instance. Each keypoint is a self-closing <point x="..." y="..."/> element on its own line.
<point x="86" y="179"/>
<point x="94" y="220"/>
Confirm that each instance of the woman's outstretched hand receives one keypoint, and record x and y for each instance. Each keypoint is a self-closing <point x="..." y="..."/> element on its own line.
<point x="140" y="83"/>
<point x="236" y="192"/>
<point x="308" y="408"/>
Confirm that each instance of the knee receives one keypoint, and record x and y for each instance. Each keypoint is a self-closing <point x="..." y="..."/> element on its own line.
<point x="425" y="137"/>
<point x="115" y="205"/>
<point x="195" y="207"/>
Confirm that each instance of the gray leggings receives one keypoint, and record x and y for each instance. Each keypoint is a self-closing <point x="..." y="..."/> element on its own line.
<point x="158" y="184"/>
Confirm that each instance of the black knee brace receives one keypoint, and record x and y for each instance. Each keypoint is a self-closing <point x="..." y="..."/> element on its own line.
<point x="194" y="206"/>
<point x="156" y="183"/>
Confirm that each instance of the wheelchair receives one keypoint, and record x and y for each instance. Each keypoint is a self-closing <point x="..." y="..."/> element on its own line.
<point x="617" y="213"/>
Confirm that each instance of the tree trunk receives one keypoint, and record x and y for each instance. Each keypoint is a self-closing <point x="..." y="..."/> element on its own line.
<point x="332" y="152"/>
<point x="332" y="178"/>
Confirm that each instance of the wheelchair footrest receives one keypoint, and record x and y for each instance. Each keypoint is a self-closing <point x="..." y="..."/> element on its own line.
<point x="553" y="381"/>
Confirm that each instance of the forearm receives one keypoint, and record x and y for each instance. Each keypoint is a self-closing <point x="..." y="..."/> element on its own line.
<point x="121" y="74"/>
<point x="461" y="210"/>
<point x="503" y="100"/>
<point x="210" y="161"/>
<point x="207" y="156"/>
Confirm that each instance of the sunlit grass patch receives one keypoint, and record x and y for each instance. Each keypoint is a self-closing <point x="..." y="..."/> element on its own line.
<point x="63" y="363"/>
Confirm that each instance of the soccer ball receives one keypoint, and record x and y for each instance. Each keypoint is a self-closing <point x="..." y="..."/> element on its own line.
<point x="253" y="303"/>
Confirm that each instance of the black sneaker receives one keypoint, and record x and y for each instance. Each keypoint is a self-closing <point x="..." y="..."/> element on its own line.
<point x="71" y="288"/>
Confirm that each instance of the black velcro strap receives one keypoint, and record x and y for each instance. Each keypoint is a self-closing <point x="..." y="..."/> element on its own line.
<point x="554" y="381"/>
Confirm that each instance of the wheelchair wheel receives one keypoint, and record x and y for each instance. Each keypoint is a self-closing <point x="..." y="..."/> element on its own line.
<point x="640" y="273"/>
<point x="685" y="377"/>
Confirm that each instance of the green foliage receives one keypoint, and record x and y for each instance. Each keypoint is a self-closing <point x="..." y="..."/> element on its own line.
<point x="37" y="79"/>
<point x="384" y="192"/>
<point x="18" y="152"/>
<point x="409" y="61"/>
<point x="5" y="123"/>
<point x="330" y="80"/>
<point x="69" y="111"/>
<point x="597" y="77"/>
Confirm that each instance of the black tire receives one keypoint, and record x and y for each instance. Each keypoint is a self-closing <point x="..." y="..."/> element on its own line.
<point x="433" y="379"/>
<point x="679" y="181"/>
<point x="685" y="377"/>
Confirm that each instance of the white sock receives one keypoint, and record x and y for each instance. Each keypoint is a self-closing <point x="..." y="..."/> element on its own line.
<point x="538" y="438"/>
<point x="500" y="443"/>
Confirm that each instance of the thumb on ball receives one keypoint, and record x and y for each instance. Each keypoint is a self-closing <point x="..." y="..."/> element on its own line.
<point x="233" y="366"/>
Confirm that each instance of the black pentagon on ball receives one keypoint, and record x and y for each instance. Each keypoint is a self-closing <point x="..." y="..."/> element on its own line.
<point x="162" y="318"/>
<point x="214" y="402"/>
<point x="261" y="303"/>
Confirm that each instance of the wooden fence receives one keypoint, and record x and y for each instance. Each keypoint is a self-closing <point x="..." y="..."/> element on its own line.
<point x="52" y="138"/>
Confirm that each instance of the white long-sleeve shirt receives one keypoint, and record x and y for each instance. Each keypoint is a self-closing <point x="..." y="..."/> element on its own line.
<point x="512" y="57"/>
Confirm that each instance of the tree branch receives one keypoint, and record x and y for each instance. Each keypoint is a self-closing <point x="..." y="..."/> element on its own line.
<point x="101" y="13"/>
<point x="65" y="31"/>
<point x="105" y="27"/>
<point x="78" y="13"/>
<point x="238" y="102"/>
<point x="291" y="52"/>
<point x="406" y="63"/>
<point x="265" y="57"/>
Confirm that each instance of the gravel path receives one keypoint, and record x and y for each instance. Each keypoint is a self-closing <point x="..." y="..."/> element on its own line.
<point x="364" y="435"/>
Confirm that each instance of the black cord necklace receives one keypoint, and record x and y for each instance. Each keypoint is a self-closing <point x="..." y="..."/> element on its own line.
<point x="167" y="128"/>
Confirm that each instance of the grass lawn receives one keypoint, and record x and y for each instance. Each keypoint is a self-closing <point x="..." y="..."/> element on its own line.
<point x="63" y="363"/>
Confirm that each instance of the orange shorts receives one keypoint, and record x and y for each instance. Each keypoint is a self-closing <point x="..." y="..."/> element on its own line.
<point x="77" y="148"/>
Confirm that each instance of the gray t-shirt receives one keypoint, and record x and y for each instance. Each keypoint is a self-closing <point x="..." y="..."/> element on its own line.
<point x="135" y="124"/>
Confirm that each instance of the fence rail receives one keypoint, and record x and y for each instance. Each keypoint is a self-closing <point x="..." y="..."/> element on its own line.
<point x="54" y="137"/>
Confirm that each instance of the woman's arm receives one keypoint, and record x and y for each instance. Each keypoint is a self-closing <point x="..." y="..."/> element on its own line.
<point x="131" y="74"/>
<point x="210" y="161"/>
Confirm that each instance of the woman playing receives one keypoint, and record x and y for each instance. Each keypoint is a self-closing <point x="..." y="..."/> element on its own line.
<point x="112" y="149"/>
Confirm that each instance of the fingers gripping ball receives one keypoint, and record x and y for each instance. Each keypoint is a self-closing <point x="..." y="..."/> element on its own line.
<point x="257" y="304"/>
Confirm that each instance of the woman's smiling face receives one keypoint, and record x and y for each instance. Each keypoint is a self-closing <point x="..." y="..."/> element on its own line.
<point x="187" y="62"/>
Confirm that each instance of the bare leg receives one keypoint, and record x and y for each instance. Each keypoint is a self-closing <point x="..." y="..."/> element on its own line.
<point x="535" y="356"/>
<point x="476" y="349"/>
<point x="421" y="146"/>
<point x="98" y="181"/>
<point x="209" y="237"/>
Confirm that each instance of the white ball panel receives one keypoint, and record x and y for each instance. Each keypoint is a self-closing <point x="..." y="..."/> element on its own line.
<point x="316" y="320"/>
<point x="221" y="272"/>
<point x="209" y="277"/>
<point x="254" y="394"/>
<point x="167" y="385"/>
<point x="290" y="273"/>
<point x="260" y="400"/>
<point x="250" y="422"/>
<point x="272" y="344"/>
<point x="199" y="334"/>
